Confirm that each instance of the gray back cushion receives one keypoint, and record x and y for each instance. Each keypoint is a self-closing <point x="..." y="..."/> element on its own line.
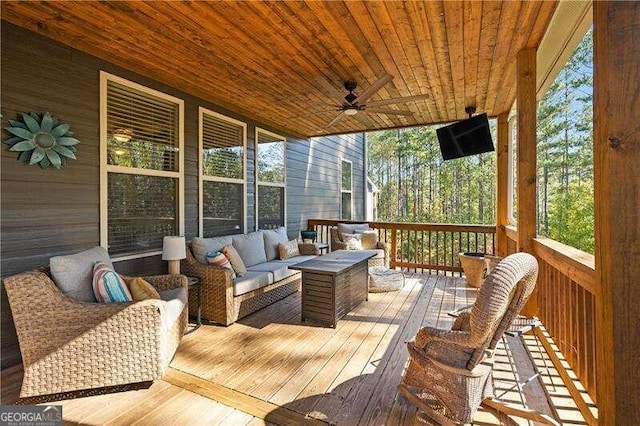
<point x="201" y="246"/>
<point x="73" y="274"/>
<point x="250" y="247"/>
<point x="351" y="228"/>
<point x="273" y="237"/>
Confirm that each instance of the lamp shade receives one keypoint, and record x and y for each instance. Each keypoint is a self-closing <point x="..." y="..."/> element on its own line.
<point x="173" y="248"/>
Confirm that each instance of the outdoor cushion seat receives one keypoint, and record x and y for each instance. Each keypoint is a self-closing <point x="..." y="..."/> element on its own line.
<point x="250" y="281"/>
<point x="279" y="270"/>
<point x="176" y="299"/>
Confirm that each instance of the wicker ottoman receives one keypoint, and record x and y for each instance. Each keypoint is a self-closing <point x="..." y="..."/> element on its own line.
<point x="383" y="279"/>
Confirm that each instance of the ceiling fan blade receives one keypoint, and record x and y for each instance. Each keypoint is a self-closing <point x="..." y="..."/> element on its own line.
<point x="364" y="120"/>
<point x="366" y="94"/>
<point x="388" y="111"/>
<point x="397" y="100"/>
<point x="335" y="119"/>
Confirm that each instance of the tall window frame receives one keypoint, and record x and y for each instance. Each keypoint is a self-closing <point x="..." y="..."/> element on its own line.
<point x="267" y="136"/>
<point x="346" y="188"/>
<point x="107" y="169"/>
<point x="204" y="177"/>
<point x="512" y="192"/>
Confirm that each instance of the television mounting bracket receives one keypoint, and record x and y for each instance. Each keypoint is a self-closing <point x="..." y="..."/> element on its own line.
<point x="470" y="110"/>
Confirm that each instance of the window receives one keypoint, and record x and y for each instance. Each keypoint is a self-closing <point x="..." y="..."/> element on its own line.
<point x="141" y="166"/>
<point x="222" y="175"/>
<point x="271" y="179"/>
<point x="346" y="189"/>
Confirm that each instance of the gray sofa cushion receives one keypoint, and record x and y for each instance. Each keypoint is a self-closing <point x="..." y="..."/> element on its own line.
<point x="73" y="274"/>
<point x="250" y="247"/>
<point x="176" y="300"/>
<point x="201" y="246"/>
<point x="252" y="280"/>
<point x="279" y="270"/>
<point x="351" y="228"/>
<point x="273" y="237"/>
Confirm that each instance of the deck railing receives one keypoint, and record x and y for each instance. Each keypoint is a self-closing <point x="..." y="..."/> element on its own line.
<point x="422" y="247"/>
<point x="566" y="285"/>
<point x="566" y="307"/>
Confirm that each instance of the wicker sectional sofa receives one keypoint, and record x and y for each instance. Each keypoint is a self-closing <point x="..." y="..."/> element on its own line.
<point x="71" y="343"/>
<point x="224" y="299"/>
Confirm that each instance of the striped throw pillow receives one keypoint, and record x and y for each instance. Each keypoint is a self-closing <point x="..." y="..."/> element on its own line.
<point x="108" y="287"/>
<point x="219" y="259"/>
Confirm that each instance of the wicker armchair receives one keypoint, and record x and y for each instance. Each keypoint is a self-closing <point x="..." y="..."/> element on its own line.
<point x="67" y="345"/>
<point x="218" y="303"/>
<point x="449" y="373"/>
<point x="379" y="260"/>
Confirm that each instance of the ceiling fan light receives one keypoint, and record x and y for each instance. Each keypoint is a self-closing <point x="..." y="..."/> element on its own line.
<point x="350" y="111"/>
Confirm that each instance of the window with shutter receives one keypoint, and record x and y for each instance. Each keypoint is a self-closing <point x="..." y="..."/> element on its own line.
<point x="141" y="153"/>
<point x="222" y="175"/>
<point x="346" y="189"/>
<point x="271" y="179"/>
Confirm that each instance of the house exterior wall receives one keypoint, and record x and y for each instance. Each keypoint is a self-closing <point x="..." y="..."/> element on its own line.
<point x="52" y="212"/>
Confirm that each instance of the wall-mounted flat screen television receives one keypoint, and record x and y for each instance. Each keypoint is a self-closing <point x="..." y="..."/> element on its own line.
<point x="466" y="137"/>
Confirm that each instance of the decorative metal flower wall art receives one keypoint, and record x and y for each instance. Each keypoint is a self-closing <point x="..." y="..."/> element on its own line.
<point x="41" y="138"/>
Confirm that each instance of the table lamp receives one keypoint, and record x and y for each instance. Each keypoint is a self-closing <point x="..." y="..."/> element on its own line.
<point x="173" y="250"/>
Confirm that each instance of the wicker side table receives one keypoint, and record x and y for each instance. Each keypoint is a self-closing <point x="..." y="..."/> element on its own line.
<point x="474" y="266"/>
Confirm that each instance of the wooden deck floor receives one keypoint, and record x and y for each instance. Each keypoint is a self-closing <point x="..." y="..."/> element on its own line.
<point x="270" y="368"/>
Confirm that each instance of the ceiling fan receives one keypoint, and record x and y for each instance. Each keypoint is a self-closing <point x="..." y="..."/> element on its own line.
<point x="355" y="104"/>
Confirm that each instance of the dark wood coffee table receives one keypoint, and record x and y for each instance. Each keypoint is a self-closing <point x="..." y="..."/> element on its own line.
<point x="334" y="284"/>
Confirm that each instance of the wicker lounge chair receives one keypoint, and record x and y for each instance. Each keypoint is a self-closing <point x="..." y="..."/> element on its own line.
<point x="68" y="345"/>
<point x="449" y="373"/>
<point x="381" y="259"/>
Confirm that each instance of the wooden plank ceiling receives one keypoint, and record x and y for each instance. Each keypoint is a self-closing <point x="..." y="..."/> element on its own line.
<point x="284" y="63"/>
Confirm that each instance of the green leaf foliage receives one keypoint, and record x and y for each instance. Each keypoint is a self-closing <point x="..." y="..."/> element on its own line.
<point x="31" y="123"/>
<point x="63" y="150"/>
<point x="60" y="130"/>
<point x="54" y="158"/>
<point x="47" y="123"/>
<point x="23" y="146"/>
<point x="19" y="131"/>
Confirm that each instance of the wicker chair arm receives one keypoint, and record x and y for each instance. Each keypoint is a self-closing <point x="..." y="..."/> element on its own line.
<point x="386" y="247"/>
<point x="463" y="320"/>
<point x="47" y="321"/>
<point x="308" y="249"/>
<point x="418" y="356"/>
<point x="429" y="334"/>
<point x="167" y="282"/>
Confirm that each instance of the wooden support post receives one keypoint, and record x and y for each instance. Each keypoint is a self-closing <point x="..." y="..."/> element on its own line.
<point x="502" y="184"/>
<point x="527" y="151"/>
<point x="617" y="205"/>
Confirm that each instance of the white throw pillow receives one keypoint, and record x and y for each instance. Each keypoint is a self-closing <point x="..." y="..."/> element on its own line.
<point x="352" y="241"/>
